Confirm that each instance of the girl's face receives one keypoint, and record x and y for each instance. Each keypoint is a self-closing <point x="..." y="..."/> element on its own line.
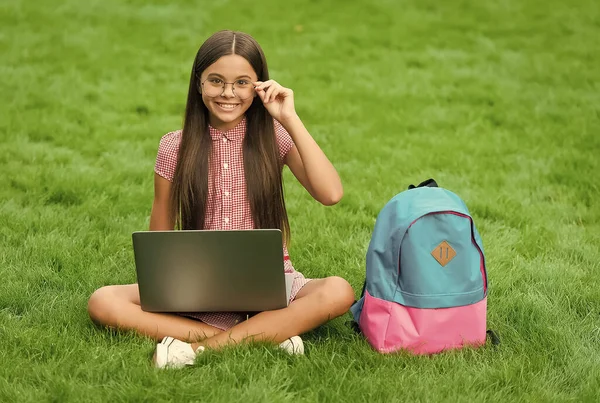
<point x="227" y="105"/>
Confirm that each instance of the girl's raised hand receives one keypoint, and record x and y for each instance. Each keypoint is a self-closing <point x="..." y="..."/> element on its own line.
<point x="278" y="100"/>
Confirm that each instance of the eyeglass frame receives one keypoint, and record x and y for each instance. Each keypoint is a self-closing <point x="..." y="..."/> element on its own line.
<point x="224" y="87"/>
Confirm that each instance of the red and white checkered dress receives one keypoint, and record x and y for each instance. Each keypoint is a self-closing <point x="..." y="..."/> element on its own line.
<point x="227" y="205"/>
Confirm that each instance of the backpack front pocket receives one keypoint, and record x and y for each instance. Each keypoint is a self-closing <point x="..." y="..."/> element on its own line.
<point x="440" y="263"/>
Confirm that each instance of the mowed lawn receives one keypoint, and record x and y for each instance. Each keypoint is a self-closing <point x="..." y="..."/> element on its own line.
<point x="498" y="101"/>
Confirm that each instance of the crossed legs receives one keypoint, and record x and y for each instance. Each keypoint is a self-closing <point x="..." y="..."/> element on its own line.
<point x="319" y="301"/>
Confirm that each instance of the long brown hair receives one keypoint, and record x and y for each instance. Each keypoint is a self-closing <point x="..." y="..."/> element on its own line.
<point x="262" y="168"/>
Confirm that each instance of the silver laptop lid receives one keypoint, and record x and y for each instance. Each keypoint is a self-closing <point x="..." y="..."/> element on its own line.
<point x="210" y="271"/>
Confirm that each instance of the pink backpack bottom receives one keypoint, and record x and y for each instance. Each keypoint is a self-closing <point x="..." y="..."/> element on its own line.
<point x="389" y="326"/>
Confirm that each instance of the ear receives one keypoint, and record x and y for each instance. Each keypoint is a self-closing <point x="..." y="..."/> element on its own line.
<point x="200" y="87"/>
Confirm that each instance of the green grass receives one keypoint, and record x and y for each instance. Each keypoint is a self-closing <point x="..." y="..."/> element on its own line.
<point x="499" y="101"/>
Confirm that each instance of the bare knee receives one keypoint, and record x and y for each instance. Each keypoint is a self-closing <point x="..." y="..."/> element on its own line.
<point x="103" y="305"/>
<point x="338" y="294"/>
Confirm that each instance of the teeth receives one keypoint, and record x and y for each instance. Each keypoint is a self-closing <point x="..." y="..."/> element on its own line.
<point x="227" y="106"/>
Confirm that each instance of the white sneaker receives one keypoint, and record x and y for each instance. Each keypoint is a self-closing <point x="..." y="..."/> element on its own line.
<point x="173" y="353"/>
<point x="293" y="345"/>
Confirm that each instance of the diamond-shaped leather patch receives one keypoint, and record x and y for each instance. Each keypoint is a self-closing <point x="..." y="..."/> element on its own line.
<point x="443" y="253"/>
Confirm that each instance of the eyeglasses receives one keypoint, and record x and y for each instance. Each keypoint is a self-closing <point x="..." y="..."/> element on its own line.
<point x="214" y="87"/>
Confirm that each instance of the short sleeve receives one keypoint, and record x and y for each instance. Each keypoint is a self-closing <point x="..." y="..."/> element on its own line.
<point x="166" y="159"/>
<point x="284" y="141"/>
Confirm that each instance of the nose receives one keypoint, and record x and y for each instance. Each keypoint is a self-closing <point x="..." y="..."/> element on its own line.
<point x="228" y="91"/>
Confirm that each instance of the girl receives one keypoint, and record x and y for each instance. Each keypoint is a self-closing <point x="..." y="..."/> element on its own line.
<point x="224" y="171"/>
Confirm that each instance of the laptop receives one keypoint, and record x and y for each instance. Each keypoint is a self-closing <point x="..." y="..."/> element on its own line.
<point x="211" y="271"/>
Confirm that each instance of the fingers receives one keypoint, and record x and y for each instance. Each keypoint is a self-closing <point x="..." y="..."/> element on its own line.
<point x="259" y="88"/>
<point x="259" y="91"/>
<point x="265" y="90"/>
<point x="268" y="91"/>
<point x="272" y="92"/>
<point x="262" y="85"/>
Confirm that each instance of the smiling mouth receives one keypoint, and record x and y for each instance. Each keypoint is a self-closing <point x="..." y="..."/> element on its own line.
<point x="227" y="106"/>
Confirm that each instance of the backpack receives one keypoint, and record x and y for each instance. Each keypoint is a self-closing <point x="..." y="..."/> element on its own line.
<point x="426" y="283"/>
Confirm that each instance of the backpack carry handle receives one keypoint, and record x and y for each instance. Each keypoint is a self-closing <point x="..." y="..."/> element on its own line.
<point x="428" y="183"/>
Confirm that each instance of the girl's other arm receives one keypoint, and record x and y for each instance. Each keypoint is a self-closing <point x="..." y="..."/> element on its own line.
<point x="306" y="160"/>
<point x="160" y="218"/>
<point x="310" y="165"/>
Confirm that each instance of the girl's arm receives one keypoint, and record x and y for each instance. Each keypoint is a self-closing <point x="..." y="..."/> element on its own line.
<point x="160" y="218"/>
<point x="306" y="160"/>
<point x="310" y="165"/>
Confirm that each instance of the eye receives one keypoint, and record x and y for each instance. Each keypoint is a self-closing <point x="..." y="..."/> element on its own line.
<point x="215" y="80"/>
<point x="242" y="83"/>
